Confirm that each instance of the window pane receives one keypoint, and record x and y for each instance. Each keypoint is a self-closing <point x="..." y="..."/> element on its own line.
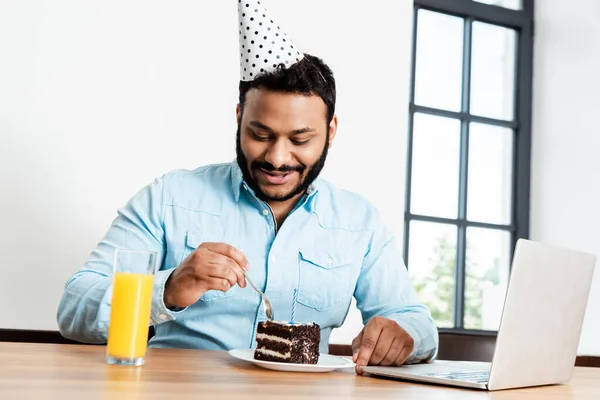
<point x="486" y="281"/>
<point x="435" y="167"/>
<point x="432" y="264"/>
<point x="438" y="72"/>
<point x="512" y="4"/>
<point x="490" y="174"/>
<point x="493" y="71"/>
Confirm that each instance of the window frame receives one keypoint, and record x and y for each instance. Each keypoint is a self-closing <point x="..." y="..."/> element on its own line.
<point x="523" y="23"/>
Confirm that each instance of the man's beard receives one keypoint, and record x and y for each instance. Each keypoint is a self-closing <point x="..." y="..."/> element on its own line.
<point x="303" y="185"/>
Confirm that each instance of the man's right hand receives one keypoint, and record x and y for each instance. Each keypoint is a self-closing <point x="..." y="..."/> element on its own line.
<point x="212" y="266"/>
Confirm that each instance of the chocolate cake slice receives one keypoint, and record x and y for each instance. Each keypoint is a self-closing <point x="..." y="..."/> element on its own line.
<point x="287" y="342"/>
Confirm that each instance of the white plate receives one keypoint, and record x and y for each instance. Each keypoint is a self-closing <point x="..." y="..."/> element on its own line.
<point x="326" y="362"/>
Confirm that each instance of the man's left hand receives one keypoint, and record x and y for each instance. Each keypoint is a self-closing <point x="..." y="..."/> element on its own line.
<point x="381" y="342"/>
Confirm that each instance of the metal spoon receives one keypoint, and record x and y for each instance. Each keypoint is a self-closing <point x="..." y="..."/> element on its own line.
<point x="265" y="300"/>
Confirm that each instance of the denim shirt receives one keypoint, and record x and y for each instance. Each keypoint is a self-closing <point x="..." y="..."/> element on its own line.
<point x="331" y="247"/>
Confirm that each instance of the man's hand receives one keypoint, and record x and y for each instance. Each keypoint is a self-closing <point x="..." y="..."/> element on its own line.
<point x="381" y="342"/>
<point x="212" y="266"/>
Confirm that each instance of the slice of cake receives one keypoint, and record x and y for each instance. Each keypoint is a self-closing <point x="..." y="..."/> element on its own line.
<point x="288" y="343"/>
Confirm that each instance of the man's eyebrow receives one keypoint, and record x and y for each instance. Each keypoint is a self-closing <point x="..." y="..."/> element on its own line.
<point x="260" y="125"/>
<point x="301" y="131"/>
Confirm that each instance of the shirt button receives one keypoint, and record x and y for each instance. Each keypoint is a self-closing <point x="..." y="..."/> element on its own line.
<point x="162" y="317"/>
<point x="265" y="212"/>
<point x="272" y="258"/>
<point x="329" y="261"/>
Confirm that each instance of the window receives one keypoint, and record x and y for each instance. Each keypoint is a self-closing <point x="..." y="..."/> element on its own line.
<point x="469" y="140"/>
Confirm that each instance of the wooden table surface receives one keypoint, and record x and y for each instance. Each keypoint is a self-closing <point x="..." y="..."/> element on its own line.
<point x="51" y="371"/>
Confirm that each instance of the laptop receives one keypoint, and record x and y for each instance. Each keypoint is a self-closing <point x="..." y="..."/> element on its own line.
<point x="539" y="331"/>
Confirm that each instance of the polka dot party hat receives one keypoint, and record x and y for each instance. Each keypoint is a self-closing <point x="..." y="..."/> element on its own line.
<point x="263" y="45"/>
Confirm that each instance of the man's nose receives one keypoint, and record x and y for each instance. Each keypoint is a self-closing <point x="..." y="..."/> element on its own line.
<point x="278" y="154"/>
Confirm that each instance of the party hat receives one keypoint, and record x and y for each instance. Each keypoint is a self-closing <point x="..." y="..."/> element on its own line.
<point x="263" y="45"/>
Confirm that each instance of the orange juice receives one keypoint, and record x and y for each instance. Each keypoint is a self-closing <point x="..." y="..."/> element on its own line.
<point x="129" y="315"/>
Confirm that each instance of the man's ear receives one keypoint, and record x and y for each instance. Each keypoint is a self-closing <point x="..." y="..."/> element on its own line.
<point x="238" y="114"/>
<point x="333" y="126"/>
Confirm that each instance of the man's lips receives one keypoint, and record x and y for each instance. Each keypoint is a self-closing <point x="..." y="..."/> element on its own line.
<point x="277" y="178"/>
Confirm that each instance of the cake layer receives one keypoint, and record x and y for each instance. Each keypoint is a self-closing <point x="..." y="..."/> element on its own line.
<point x="263" y="336"/>
<point x="274" y="345"/>
<point x="267" y="355"/>
<point x="286" y="330"/>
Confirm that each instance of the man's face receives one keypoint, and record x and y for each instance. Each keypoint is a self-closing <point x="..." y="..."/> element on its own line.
<point x="282" y="142"/>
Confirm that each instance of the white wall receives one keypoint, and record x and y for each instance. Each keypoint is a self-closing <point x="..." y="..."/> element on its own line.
<point x="99" y="97"/>
<point x="565" y="198"/>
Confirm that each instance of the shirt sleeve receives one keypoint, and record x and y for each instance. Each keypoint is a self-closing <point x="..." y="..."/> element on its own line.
<point x="84" y="310"/>
<point x="384" y="289"/>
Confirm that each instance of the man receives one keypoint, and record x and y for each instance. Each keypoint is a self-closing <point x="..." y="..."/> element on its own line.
<point x="266" y="213"/>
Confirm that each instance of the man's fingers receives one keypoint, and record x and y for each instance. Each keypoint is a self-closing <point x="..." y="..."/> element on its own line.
<point x="221" y="284"/>
<point x="216" y="257"/>
<point x="403" y="355"/>
<point x="369" y="340"/>
<point x="234" y="266"/>
<point x="222" y="267"/>
<point x="383" y="345"/>
<point x="392" y="354"/>
<point x="356" y="345"/>
<point x="228" y="251"/>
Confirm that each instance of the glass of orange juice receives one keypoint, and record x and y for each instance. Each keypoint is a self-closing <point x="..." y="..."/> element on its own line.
<point x="133" y="280"/>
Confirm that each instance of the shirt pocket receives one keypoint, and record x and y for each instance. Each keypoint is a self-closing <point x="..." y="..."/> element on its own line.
<point x="326" y="278"/>
<point x="192" y="241"/>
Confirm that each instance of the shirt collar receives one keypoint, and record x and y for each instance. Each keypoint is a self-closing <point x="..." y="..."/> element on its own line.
<point x="237" y="180"/>
<point x="237" y="183"/>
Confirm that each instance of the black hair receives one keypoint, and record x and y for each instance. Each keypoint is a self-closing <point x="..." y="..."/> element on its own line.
<point x="309" y="76"/>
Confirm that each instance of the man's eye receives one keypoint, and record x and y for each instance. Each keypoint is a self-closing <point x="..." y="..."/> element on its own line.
<point x="300" y="142"/>
<point x="262" y="138"/>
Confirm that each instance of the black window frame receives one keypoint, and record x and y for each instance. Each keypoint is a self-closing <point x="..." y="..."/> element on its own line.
<point x="522" y="21"/>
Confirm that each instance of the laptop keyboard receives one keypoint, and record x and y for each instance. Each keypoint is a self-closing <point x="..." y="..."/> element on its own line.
<point x="466" y="376"/>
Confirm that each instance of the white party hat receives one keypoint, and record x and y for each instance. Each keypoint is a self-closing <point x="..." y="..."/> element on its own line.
<point x="263" y="45"/>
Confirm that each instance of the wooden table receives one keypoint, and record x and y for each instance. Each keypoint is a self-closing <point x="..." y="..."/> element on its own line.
<point x="48" y="371"/>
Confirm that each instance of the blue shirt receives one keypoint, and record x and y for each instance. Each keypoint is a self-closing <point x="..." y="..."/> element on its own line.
<point x="331" y="247"/>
